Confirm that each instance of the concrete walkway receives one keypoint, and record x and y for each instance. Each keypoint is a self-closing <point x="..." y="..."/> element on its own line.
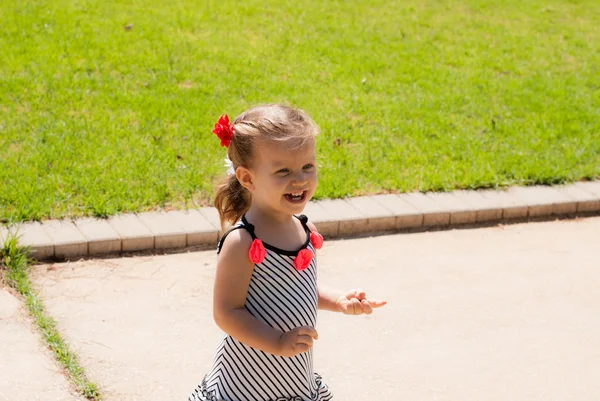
<point x="27" y="369"/>
<point x="501" y="313"/>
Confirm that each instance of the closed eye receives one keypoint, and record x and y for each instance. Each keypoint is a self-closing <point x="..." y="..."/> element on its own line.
<point x="308" y="166"/>
<point x="283" y="171"/>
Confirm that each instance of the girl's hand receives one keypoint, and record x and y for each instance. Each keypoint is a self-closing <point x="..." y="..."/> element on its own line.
<point x="355" y="302"/>
<point x="297" y="340"/>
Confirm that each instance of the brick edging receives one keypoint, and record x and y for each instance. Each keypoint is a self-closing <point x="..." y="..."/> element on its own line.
<point x="70" y="239"/>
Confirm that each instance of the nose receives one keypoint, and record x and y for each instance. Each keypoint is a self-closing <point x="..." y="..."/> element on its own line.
<point x="299" y="180"/>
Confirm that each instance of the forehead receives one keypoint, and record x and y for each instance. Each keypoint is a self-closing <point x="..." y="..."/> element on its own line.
<point x="283" y="152"/>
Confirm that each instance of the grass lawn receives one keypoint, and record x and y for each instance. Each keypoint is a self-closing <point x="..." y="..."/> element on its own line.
<point x="107" y="106"/>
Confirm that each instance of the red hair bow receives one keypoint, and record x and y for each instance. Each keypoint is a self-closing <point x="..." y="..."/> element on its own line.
<point x="224" y="130"/>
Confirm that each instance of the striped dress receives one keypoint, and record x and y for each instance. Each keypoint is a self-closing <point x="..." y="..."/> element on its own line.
<point x="284" y="298"/>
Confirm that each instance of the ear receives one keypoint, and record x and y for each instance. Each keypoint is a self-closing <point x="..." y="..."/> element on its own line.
<point x="245" y="178"/>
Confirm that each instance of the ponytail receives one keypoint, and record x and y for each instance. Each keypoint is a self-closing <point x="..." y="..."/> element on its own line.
<point x="232" y="200"/>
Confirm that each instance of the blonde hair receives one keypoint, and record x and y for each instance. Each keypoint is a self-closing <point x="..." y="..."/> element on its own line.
<point x="271" y="122"/>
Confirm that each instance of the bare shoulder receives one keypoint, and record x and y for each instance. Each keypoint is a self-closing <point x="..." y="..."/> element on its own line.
<point x="235" y="248"/>
<point x="235" y="239"/>
<point x="234" y="271"/>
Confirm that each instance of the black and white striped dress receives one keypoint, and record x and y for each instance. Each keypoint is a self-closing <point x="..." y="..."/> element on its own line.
<point x="284" y="298"/>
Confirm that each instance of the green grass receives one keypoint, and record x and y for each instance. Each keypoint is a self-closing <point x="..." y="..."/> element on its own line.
<point x="14" y="263"/>
<point x="96" y="119"/>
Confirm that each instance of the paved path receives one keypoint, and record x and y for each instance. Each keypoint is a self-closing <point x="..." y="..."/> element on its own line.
<point x="501" y="313"/>
<point x="27" y="370"/>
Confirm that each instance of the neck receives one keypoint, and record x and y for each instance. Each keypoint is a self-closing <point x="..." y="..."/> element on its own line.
<point x="256" y="214"/>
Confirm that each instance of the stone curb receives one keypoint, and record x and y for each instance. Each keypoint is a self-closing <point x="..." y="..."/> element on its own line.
<point x="364" y="215"/>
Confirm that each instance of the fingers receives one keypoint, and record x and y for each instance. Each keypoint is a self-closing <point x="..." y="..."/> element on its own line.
<point x="307" y="331"/>
<point x="300" y="348"/>
<point x="360" y="294"/>
<point x="297" y="341"/>
<point x="356" y="307"/>
<point x="352" y="307"/>
<point x="369" y="304"/>
<point x="306" y="340"/>
<point x="356" y="293"/>
<point x="360" y="307"/>
<point x="303" y="342"/>
<point x="377" y="304"/>
<point x="366" y="307"/>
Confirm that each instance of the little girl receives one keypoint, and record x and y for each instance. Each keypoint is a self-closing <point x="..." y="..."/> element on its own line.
<point x="265" y="294"/>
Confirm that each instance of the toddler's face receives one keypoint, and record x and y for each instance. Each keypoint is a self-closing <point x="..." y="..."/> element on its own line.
<point x="284" y="175"/>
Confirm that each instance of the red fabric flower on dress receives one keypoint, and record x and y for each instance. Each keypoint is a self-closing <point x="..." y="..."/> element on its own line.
<point x="316" y="239"/>
<point x="257" y="251"/>
<point x="224" y="130"/>
<point x="303" y="259"/>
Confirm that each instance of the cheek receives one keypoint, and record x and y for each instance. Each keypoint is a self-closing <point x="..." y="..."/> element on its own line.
<point x="278" y="182"/>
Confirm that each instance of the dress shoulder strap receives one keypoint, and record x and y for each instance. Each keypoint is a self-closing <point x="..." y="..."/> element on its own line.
<point x="243" y="224"/>
<point x="304" y="220"/>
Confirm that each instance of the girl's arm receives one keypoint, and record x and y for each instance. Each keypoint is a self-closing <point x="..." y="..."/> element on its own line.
<point x="353" y="302"/>
<point x="234" y="270"/>
<point x="328" y="299"/>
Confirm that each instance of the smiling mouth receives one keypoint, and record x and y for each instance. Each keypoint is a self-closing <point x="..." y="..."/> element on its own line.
<point x="296" y="197"/>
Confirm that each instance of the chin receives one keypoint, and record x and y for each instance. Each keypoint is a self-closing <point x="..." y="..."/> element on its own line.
<point x="294" y="209"/>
